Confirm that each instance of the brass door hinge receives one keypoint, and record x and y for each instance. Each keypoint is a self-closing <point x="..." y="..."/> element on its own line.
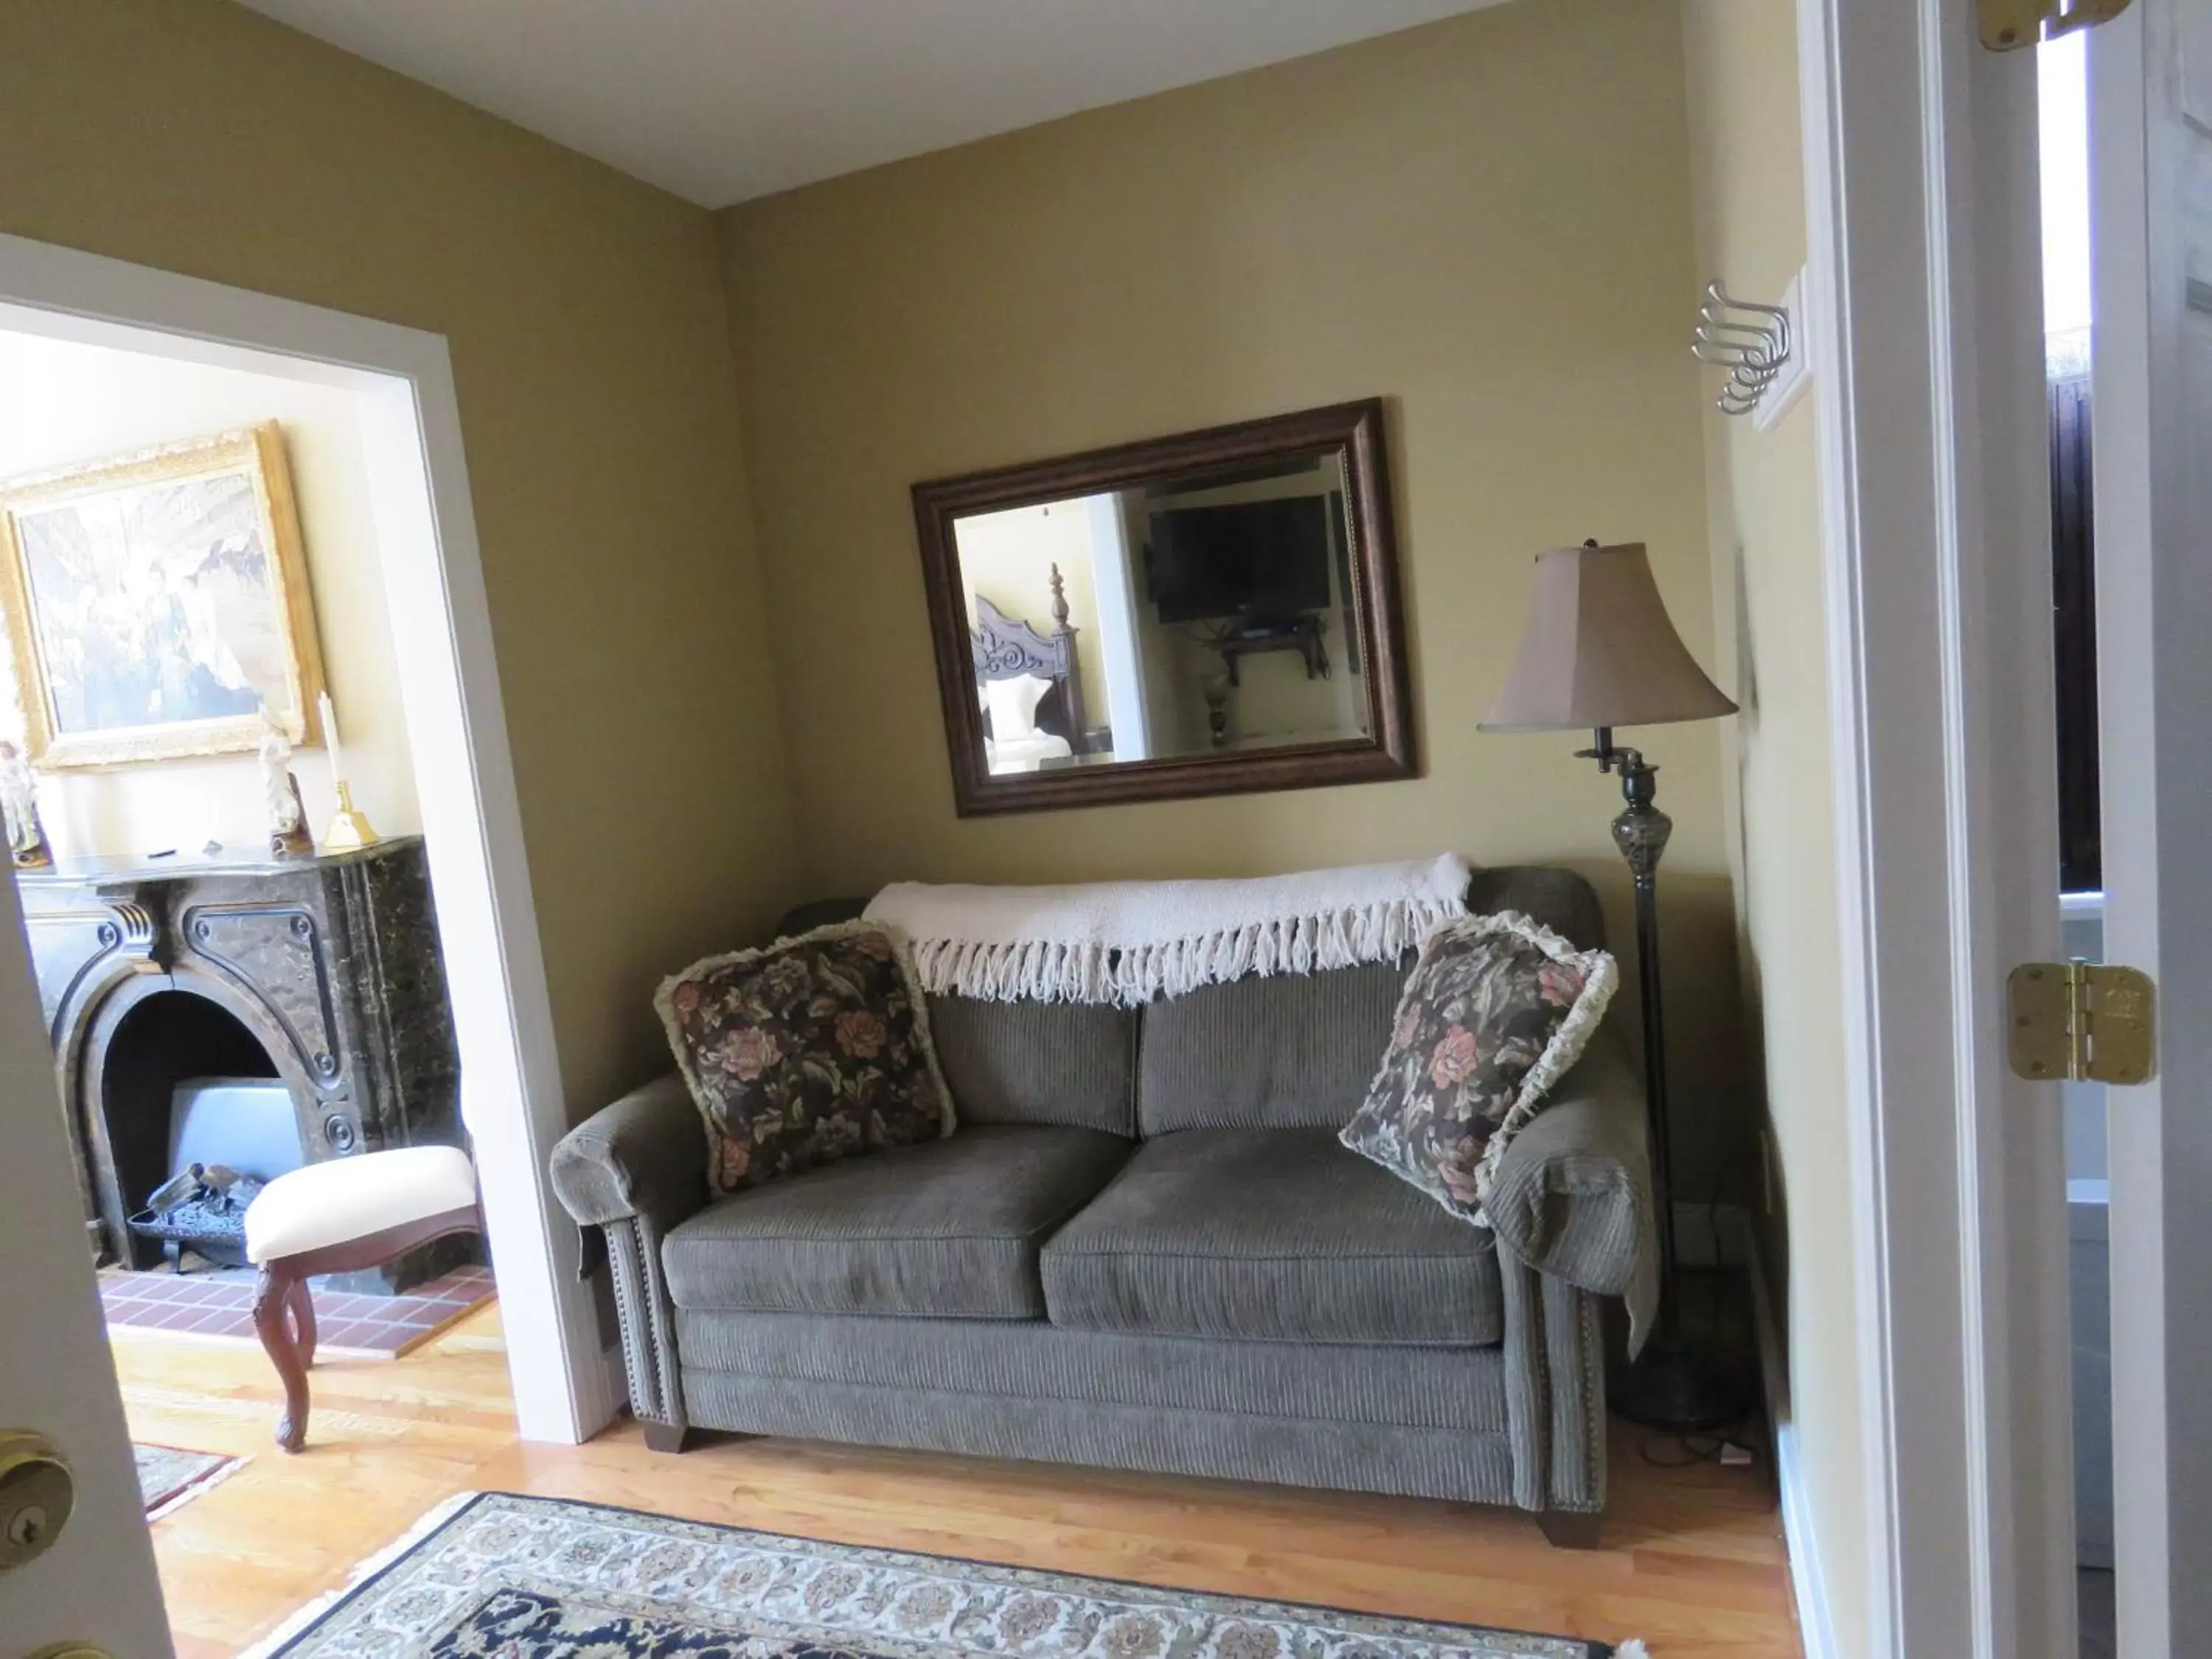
<point x="2081" y="1022"/>
<point x="2006" y="25"/>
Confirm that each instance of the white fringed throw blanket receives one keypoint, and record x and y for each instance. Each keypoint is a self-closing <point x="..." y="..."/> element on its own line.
<point x="1129" y="942"/>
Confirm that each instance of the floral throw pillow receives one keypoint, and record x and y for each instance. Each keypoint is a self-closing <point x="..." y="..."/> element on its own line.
<point x="812" y="1050"/>
<point x="1494" y="1012"/>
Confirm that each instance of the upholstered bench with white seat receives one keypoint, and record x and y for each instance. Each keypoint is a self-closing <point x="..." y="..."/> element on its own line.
<point x="342" y="1216"/>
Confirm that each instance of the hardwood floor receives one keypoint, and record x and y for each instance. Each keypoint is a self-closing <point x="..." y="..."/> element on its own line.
<point x="1693" y="1561"/>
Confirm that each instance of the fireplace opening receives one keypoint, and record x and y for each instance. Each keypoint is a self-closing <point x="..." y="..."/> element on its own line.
<point x="184" y="1082"/>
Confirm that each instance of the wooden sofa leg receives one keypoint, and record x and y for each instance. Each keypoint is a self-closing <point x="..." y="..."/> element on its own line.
<point x="667" y="1437"/>
<point x="1571" y="1530"/>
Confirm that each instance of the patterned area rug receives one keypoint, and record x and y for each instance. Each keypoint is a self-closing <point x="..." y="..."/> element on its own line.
<point x="168" y="1479"/>
<point x="497" y="1576"/>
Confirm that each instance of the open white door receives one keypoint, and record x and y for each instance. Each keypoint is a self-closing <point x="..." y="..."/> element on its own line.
<point x="95" y="1584"/>
<point x="2150" y="104"/>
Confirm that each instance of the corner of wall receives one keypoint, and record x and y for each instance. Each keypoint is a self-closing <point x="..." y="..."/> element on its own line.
<point x="1769" y="608"/>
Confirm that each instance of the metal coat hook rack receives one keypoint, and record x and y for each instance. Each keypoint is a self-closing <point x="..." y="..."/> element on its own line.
<point x="1750" y="341"/>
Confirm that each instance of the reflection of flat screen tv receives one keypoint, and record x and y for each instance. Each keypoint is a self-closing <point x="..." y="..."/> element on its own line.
<point x="1267" y="559"/>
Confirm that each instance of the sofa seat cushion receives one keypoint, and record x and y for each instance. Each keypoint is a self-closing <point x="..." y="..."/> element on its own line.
<point x="948" y="1229"/>
<point x="1272" y="1235"/>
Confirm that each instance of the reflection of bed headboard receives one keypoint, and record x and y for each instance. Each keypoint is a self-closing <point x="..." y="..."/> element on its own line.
<point x="1005" y="646"/>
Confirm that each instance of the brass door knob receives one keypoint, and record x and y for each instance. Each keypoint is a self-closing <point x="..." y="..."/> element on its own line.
<point x="37" y="1493"/>
<point x="71" y="1651"/>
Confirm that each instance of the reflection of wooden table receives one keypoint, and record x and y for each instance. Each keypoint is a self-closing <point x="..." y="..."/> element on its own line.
<point x="1303" y="637"/>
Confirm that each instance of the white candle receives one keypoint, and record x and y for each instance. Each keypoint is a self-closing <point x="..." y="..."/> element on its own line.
<point x="330" y="738"/>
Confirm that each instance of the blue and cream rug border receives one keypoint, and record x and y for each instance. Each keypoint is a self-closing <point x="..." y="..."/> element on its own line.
<point x="170" y="1477"/>
<point x="497" y="1576"/>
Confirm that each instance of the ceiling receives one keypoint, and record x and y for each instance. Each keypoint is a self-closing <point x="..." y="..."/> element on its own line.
<point x="720" y="100"/>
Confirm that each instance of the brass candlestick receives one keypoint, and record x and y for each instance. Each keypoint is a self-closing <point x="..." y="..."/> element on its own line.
<point x="350" y="825"/>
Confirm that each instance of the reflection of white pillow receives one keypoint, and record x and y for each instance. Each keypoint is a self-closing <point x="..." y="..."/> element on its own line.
<point x="1013" y="705"/>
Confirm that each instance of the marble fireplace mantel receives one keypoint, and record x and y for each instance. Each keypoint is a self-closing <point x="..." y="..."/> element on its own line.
<point x="330" y="962"/>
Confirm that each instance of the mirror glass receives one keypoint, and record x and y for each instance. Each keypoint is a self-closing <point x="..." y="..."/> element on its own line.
<point x="1199" y="614"/>
<point x="1188" y="616"/>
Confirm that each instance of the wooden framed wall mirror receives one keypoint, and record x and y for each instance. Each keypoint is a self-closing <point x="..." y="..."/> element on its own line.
<point x="1213" y="613"/>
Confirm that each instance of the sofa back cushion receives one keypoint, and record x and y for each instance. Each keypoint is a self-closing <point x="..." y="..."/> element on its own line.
<point x="1297" y="1051"/>
<point x="1288" y="1051"/>
<point x="1069" y="1065"/>
<point x="1559" y="899"/>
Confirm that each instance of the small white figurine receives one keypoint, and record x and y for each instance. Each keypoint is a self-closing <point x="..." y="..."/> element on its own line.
<point x="287" y="816"/>
<point x="19" y="796"/>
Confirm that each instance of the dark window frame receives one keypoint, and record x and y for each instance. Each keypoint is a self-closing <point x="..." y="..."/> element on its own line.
<point x="2074" y="609"/>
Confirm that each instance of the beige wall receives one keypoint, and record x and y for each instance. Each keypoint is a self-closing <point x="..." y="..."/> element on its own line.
<point x="1763" y="497"/>
<point x="587" y="329"/>
<point x="62" y="403"/>
<point x="1484" y="221"/>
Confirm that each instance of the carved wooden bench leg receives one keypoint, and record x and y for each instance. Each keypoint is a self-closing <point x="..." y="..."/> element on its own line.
<point x="276" y="1295"/>
<point x="288" y="1236"/>
<point x="303" y="1322"/>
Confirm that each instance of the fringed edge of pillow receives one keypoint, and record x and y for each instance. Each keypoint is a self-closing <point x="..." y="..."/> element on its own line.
<point x="1601" y="978"/>
<point x="1131" y="975"/>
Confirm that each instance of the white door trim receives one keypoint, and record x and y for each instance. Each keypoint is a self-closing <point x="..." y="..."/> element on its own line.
<point x="1934" y="543"/>
<point x="2132" y="464"/>
<point x="2148" y="91"/>
<point x="456" y="737"/>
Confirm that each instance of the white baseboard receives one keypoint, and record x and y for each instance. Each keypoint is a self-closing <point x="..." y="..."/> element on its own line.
<point x="1816" y="1627"/>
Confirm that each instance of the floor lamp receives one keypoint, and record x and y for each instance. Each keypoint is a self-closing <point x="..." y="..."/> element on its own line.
<point x="1598" y="651"/>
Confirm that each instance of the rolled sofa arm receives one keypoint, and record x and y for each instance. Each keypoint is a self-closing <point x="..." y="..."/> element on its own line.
<point x="1573" y="1194"/>
<point x="637" y="1169"/>
<point x="644" y="1155"/>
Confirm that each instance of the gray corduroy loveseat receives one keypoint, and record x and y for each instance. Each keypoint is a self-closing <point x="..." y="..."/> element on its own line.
<point x="1143" y="1247"/>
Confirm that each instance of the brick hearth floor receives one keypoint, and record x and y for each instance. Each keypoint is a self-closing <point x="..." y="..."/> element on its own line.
<point x="219" y="1302"/>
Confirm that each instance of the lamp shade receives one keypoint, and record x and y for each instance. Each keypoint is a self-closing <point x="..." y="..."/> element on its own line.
<point x="1599" y="650"/>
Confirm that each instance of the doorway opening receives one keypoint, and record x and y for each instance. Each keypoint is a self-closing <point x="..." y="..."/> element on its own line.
<point x="231" y="991"/>
<point x="239" y="1004"/>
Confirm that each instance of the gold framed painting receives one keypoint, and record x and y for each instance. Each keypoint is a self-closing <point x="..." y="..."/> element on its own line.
<point x="156" y="600"/>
